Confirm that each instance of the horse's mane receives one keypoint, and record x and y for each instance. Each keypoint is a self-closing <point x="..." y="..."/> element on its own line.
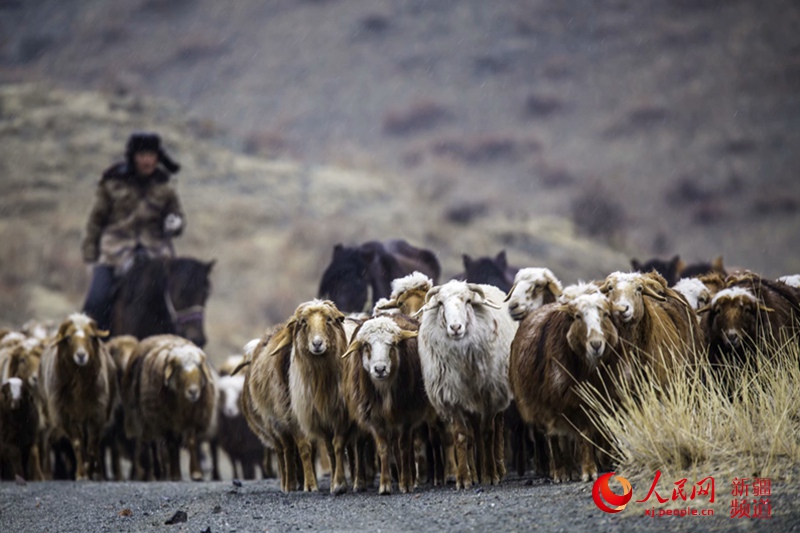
<point x="347" y="267"/>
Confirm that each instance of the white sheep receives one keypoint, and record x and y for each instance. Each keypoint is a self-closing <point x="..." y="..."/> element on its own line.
<point x="464" y="345"/>
<point x="532" y="288"/>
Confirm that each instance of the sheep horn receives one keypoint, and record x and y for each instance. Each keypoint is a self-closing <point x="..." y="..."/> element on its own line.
<point x="239" y="367"/>
<point x="648" y="291"/>
<point x="605" y="287"/>
<point x="477" y="289"/>
<point x="510" y="292"/>
<point x="489" y="303"/>
<point x="354" y="347"/>
<point x="704" y="309"/>
<point x="431" y="293"/>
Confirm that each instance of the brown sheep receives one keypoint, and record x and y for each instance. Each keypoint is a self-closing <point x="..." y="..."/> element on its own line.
<point x="267" y="409"/>
<point x="19" y="431"/>
<point x="656" y="324"/>
<point x="408" y="294"/>
<point x="385" y="392"/>
<point x="79" y="385"/>
<point x="556" y="347"/>
<point x="317" y="337"/>
<point x="752" y="312"/>
<point x="170" y="393"/>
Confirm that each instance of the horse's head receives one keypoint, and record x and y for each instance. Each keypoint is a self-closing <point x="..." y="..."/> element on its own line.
<point x="187" y="289"/>
<point x="488" y="271"/>
<point x="345" y="280"/>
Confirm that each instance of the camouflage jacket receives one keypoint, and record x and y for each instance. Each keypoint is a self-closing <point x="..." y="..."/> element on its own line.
<point x="130" y="211"/>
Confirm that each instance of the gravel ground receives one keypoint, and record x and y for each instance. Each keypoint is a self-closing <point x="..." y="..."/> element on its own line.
<point x="516" y="505"/>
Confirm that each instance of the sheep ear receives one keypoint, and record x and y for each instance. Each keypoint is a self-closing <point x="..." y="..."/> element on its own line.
<point x="636" y="265"/>
<point x="168" y="371"/>
<point x="408" y="334"/>
<point x="605" y="287"/>
<point x="391" y="304"/>
<point x="704" y="309"/>
<point x="717" y="265"/>
<point x="648" y="291"/>
<point x="206" y="370"/>
<point x="554" y="287"/>
<point x="354" y="347"/>
<point x="102" y="333"/>
<point x="510" y="292"/>
<point x="283" y="337"/>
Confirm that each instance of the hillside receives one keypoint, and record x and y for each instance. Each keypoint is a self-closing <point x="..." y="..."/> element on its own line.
<point x="270" y="223"/>
<point x="660" y="126"/>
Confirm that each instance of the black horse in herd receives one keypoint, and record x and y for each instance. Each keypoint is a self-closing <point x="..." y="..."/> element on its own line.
<point x="354" y="271"/>
<point x="163" y="295"/>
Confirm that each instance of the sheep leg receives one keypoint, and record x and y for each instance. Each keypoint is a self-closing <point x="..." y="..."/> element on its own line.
<point x="93" y="457"/>
<point x="213" y="446"/>
<point x="338" y="480"/>
<point x="463" y="477"/>
<point x="288" y="463"/>
<point x="588" y="463"/>
<point x="267" y="470"/>
<point x="541" y="447"/>
<point x="437" y="454"/>
<point x="477" y="456"/>
<point x="405" y="445"/>
<point x="35" y="464"/>
<point x="422" y="467"/>
<point x="195" y="471"/>
<point x="280" y="452"/>
<point x="449" y="448"/>
<point x="173" y="459"/>
<point x="77" y="449"/>
<point x="500" y="446"/>
<point x="306" y="457"/>
<point x="359" y="464"/>
<point x="486" y="447"/>
<point x="558" y="469"/>
<point x="382" y="442"/>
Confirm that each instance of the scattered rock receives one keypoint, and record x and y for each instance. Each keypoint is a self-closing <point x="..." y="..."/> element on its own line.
<point x="177" y="518"/>
<point x="126" y="512"/>
<point x="217" y="509"/>
<point x="19" y="480"/>
<point x="237" y="483"/>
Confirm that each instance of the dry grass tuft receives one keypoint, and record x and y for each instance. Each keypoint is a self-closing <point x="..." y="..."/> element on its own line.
<point x="735" y="421"/>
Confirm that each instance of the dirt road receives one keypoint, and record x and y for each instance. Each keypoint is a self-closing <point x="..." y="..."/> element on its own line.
<point x="516" y="505"/>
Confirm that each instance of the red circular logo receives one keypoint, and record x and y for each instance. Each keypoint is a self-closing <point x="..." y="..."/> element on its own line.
<point x="616" y="502"/>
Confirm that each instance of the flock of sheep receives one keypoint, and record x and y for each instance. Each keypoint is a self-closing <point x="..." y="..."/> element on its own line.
<point x="421" y="388"/>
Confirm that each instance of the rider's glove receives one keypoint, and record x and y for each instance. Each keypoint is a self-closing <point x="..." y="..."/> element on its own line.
<point x="172" y="224"/>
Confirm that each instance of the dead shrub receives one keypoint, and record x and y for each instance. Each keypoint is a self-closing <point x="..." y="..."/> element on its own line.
<point x="421" y="115"/>
<point x="481" y="149"/>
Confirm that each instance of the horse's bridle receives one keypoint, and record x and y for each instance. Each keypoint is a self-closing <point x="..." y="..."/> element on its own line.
<point x="193" y="313"/>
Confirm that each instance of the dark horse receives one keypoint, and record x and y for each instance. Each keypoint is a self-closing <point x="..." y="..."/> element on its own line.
<point x="354" y="270"/>
<point x="163" y="295"/>
<point x="489" y="271"/>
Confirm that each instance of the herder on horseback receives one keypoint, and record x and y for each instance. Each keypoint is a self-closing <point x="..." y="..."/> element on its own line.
<point x="136" y="211"/>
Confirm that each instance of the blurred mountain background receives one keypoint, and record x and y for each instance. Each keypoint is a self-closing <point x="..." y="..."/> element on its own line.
<point x="574" y="135"/>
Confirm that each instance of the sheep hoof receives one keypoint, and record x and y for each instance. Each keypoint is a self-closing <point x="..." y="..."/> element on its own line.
<point x="384" y="490"/>
<point x="197" y="476"/>
<point x="336" y="490"/>
<point x="359" y="487"/>
<point x="311" y="488"/>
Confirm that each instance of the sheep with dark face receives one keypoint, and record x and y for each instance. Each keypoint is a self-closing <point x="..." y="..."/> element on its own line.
<point x="751" y="313"/>
<point x="532" y="288"/>
<point x="555" y="348"/>
<point x="316" y="335"/>
<point x="79" y="386"/>
<point x="464" y="342"/>
<point x="385" y="391"/>
<point x="170" y="394"/>
<point x="19" y="431"/>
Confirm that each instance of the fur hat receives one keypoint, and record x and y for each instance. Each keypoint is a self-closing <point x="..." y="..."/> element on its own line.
<point x="149" y="142"/>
